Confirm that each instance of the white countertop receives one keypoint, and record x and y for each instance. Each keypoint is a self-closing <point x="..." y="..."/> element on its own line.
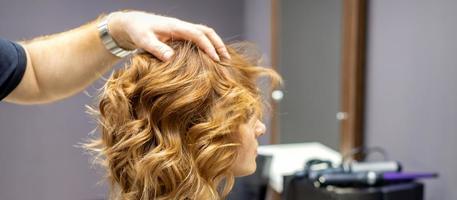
<point x="290" y="158"/>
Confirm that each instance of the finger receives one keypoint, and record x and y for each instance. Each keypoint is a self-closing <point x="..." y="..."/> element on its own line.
<point x="157" y="48"/>
<point x="188" y="31"/>
<point x="215" y="40"/>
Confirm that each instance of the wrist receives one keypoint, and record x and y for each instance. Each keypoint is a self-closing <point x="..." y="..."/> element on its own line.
<point x="117" y="28"/>
<point x="112" y="38"/>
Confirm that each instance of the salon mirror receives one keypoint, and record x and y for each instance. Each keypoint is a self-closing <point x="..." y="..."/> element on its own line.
<point x="309" y="59"/>
<point x="319" y="51"/>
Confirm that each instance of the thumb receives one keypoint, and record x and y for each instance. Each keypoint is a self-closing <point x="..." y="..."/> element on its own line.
<point x="159" y="49"/>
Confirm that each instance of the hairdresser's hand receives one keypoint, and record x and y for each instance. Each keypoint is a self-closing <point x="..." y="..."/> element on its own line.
<point x="135" y="29"/>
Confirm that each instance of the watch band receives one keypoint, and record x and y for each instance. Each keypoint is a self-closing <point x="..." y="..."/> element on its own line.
<point x="109" y="42"/>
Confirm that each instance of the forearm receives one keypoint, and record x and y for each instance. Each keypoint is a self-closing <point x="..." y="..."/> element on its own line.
<point x="63" y="64"/>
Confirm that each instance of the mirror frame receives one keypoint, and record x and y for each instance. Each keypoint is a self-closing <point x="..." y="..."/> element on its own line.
<point x="353" y="75"/>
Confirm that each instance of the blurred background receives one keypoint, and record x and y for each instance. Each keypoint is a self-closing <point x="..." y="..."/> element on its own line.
<point x="409" y="85"/>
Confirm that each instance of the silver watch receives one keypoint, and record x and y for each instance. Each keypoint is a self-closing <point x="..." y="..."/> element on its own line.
<point x="109" y="42"/>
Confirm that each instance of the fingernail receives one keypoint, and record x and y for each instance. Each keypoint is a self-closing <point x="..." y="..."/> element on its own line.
<point x="216" y="57"/>
<point x="226" y="54"/>
<point x="168" y="54"/>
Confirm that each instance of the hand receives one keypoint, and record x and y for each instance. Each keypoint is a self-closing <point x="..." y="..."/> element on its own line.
<point x="135" y="29"/>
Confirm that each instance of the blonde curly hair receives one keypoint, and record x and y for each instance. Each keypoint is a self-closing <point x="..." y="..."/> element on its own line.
<point x="169" y="129"/>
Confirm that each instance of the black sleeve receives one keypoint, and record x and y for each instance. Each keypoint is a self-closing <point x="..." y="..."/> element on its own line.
<point x="13" y="61"/>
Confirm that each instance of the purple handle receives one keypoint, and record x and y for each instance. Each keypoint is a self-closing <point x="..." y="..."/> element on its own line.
<point x="401" y="176"/>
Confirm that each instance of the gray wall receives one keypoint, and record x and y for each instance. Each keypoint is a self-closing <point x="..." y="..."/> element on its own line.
<point x="309" y="60"/>
<point x="411" y="89"/>
<point x="257" y="29"/>
<point x="38" y="159"/>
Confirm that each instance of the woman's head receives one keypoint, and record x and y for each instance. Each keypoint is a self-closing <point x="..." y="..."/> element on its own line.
<point x="182" y="128"/>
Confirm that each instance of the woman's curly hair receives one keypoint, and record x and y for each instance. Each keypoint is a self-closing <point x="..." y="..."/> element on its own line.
<point x="169" y="129"/>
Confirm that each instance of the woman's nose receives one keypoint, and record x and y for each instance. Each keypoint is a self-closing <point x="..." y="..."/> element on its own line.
<point x="260" y="128"/>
